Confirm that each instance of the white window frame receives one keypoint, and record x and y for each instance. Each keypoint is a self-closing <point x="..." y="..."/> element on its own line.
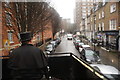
<point x="84" y="7"/>
<point x="103" y="26"/>
<point x="104" y="2"/>
<point x="84" y="11"/>
<point x="95" y="18"/>
<point x="112" y="24"/>
<point x="103" y="14"/>
<point x="113" y="8"/>
<point x="99" y="27"/>
<point x="91" y="19"/>
<point x="10" y="36"/>
<point x="99" y="16"/>
<point x="88" y="13"/>
<point x="84" y="3"/>
<point x="8" y="19"/>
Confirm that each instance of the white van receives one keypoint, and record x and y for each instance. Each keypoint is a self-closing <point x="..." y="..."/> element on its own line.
<point x="69" y="36"/>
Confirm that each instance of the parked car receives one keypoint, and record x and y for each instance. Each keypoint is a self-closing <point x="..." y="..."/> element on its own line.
<point x="58" y="40"/>
<point x="76" y="41"/>
<point x="50" y="48"/>
<point x="54" y="43"/>
<point x="84" y="47"/>
<point x="109" y="71"/>
<point x="77" y="45"/>
<point x="69" y="36"/>
<point x="90" y="56"/>
<point x="46" y="52"/>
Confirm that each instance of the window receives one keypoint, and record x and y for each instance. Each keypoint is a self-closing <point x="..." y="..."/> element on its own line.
<point x="38" y="37"/>
<point x="84" y="11"/>
<point x="91" y="3"/>
<point x="112" y="24"/>
<point x="8" y="19"/>
<point x="112" y="8"/>
<point x="95" y="18"/>
<point x="102" y="28"/>
<point x="84" y="7"/>
<point x="103" y="14"/>
<point x="99" y="15"/>
<point x="91" y="19"/>
<point x="83" y="3"/>
<point x="10" y="36"/>
<point x="84" y="15"/>
<point x="88" y="8"/>
<point x="104" y="2"/>
<point x="88" y="13"/>
<point x="99" y="29"/>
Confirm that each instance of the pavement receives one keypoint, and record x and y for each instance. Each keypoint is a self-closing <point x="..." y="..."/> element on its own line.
<point x="108" y="57"/>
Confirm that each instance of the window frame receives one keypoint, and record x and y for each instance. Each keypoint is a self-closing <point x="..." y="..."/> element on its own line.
<point x="10" y="36"/>
<point x="103" y="14"/>
<point x="112" y="24"/>
<point x="113" y="8"/>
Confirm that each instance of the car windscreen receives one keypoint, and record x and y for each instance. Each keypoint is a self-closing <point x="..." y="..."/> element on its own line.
<point x="81" y="43"/>
<point x="49" y="46"/>
<point x="113" y="76"/>
<point x="89" y="52"/>
<point x="69" y="35"/>
<point x="77" y="41"/>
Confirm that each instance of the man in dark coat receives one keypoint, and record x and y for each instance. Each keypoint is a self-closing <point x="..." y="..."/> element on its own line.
<point x="27" y="62"/>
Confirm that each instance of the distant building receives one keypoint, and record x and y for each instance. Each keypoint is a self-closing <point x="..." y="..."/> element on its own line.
<point x="82" y="10"/>
<point x="65" y="24"/>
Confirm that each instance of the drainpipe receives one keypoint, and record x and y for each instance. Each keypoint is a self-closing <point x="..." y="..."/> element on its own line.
<point x="119" y="41"/>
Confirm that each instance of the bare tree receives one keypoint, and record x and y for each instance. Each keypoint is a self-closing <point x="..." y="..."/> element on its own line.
<point x="56" y="22"/>
<point x="33" y="16"/>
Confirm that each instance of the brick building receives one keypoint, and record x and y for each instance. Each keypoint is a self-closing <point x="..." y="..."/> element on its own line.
<point x="105" y="23"/>
<point x="0" y="29"/>
<point x="9" y="39"/>
<point x="9" y="32"/>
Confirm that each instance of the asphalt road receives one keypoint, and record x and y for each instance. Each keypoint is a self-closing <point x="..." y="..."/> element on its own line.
<point x="108" y="58"/>
<point x="67" y="46"/>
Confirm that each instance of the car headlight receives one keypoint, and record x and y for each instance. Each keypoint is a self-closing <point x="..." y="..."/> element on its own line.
<point x="88" y="60"/>
<point x="99" y="60"/>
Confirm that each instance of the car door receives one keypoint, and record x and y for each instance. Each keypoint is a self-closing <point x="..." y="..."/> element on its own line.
<point x="83" y="54"/>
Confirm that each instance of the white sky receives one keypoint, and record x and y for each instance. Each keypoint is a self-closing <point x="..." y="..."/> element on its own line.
<point x="65" y="8"/>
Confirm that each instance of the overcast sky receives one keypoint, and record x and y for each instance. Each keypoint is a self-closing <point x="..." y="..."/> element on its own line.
<point x="65" y="8"/>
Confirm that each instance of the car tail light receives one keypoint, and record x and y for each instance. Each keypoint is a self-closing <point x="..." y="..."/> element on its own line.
<point x="80" y="46"/>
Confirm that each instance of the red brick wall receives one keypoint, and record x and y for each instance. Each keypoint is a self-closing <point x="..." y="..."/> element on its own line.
<point x="0" y="28"/>
<point x="48" y="32"/>
<point x="5" y="30"/>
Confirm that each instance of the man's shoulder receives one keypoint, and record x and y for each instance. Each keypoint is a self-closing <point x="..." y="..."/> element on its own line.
<point x="36" y="48"/>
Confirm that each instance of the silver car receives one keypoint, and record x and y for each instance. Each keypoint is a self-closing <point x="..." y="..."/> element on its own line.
<point x="109" y="71"/>
<point x="90" y="56"/>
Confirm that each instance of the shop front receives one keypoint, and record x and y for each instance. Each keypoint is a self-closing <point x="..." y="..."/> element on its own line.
<point x="111" y="39"/>
<point x="108" y="39"/>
